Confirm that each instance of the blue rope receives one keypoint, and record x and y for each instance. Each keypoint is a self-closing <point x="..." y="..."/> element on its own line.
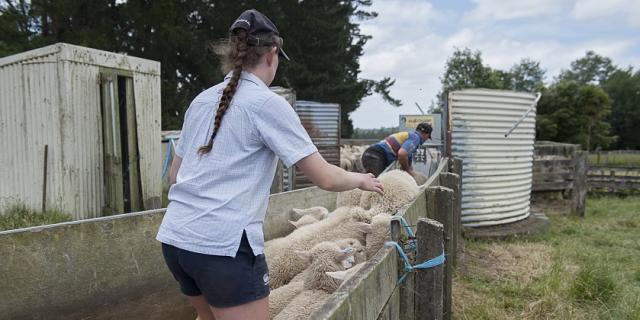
<point x="167" y="159"/>
<point x="434" y="262"/>
<point x="412" y="237"/>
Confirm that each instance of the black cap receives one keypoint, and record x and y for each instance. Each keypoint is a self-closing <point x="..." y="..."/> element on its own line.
<point x="260" y="30"/>
<point x="424" y="127"/>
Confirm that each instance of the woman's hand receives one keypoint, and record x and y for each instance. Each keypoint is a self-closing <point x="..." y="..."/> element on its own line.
<point x="368" y="182"/>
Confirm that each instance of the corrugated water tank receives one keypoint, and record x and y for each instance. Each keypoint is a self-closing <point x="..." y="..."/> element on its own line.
<point x="497" y="174"/>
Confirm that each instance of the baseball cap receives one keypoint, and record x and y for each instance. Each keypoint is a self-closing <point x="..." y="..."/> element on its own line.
<point x="424" y="127"/>
<point x="260" y="30"/>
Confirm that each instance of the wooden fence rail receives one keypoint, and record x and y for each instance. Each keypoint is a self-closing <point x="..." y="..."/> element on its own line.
<point x="613" y="178"/>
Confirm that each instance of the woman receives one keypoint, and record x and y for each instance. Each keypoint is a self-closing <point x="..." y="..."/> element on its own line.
<point x="225" y="162"/>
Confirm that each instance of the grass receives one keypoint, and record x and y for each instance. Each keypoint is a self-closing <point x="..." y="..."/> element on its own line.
<point x="612" y="159"/>
<point x="18" y="215"/>
<point x="584" y="268"/>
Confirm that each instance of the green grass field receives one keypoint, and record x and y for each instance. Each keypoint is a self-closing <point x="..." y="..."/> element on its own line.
<point x="18" y="215"/>
<point x="614" y="159"/>
<point x="582" y="269"/>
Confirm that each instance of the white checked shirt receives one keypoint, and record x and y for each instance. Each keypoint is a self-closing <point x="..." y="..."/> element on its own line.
<point x="226" y="191"/>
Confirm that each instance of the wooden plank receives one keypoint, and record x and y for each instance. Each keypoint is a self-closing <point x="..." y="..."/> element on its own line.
<point x="429" y="282"/>
<point x="392" y="309"/>
<point x="135" y="185"/>
<point x="579" y="192"/>
<point x="365" y="295"/>
<point x="440" y="202"/>
<point x="553" y="186"/>
<point x="452" y="181"/>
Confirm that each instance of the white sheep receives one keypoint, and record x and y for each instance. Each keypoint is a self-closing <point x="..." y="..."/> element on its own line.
<point x="377" y="233"/>
<point x="318" y="213"/>
<point x="399" y="189"/>
<point x="349" y="198"/>
<point x="280" y="297"/>
<point x="318" y="285"/>
<point x="303" y="221"/>
<point x="284" y="263"/>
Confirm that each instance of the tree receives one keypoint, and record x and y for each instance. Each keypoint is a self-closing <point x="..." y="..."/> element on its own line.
<point x="322" y="37"/>
<point x="527" y="76"/>
<point x="592" y="68"/>
<point x="623" y="86"/>
<point x="465" y="69"/>
<point x="572" y="112"/>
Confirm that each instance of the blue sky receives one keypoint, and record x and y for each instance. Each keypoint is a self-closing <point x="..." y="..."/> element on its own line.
<point x="412" y="40"/>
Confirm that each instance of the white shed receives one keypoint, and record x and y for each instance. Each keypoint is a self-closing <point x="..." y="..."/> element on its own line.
<point x="98" y="115"/>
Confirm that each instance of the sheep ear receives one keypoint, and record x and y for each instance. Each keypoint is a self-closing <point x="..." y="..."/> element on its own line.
<point x="296" y="213"/>
<point x="364" y="227"/>
<point x="305" y="255"/>
<point x="294" y="224"/>
<point x="338" y="275"/>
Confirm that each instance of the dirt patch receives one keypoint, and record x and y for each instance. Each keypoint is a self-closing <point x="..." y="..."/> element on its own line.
<point x="513" y="262"/>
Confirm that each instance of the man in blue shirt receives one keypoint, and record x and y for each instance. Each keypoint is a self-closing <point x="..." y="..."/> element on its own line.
<point x="399" y="146"/>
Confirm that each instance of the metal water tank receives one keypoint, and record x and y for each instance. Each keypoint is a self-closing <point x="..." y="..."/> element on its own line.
<point x="497" y="174"/>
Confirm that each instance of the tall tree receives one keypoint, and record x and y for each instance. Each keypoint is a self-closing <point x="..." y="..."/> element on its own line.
<point x="623" y="86"/>
<point x="465" y="69"/>
<point x="592" y="68"/>
<point x="575" y="113"/>
<point x="323" y="37"/>
<point x="527" y="75"/>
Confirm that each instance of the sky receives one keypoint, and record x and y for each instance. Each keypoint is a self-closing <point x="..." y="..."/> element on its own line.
<point x="412" y="40"/>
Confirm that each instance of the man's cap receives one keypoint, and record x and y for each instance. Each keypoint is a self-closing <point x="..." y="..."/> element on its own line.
<point x="260" y="30"/>
<point x="424" y="127"/>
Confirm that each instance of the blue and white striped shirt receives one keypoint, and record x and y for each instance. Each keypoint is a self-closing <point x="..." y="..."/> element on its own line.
<point x="220" y="194"/>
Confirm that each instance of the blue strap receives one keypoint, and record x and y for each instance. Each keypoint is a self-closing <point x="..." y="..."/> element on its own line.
<point x="412" y="237"/>
<point x="167" y="159"/>
<point x="434" y="262"/>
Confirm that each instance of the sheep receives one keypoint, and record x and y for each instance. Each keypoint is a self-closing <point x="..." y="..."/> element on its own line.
<point x="303" y="221"/>
<point x="318" y="213"/>
<point x="349" y="198"/>
<point x="317" y="285"/>
<point x="344" y="275"/>
<point x="281" y="296"/>
<point x="377" y="233"/>
<point x="284" y="264"/>
<point x="399" y="189"/>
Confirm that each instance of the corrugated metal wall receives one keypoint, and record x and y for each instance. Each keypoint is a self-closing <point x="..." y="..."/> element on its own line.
<point x="322" y="122"/>
<point x="51" y="96"/>
<point x="497" y="175"/>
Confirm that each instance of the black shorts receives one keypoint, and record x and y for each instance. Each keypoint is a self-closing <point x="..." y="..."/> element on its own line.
<point x="224" y="281"/>
<point x="374" y="160"/>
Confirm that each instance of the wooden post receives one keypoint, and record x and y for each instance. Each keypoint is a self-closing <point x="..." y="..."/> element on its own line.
<point x="44" y="178"/>
<point x="579" y="193"/>
<point x="429" y="282"/>
<point x="440" y="206"/>
<point x="452" y="181"/>
<point x="407" y="288"/>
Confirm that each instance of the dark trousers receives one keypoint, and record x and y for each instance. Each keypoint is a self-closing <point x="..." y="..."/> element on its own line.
<point x="374" y="160"/>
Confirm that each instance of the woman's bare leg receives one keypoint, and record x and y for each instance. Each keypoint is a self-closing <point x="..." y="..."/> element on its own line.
<point x="202" y="307"/>
<point x="257" y="310"/>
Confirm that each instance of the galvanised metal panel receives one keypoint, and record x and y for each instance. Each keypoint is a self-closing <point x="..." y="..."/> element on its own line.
<point x="29" y="120"/>
<point x="497" y="173"/>
<point x="148" y="111"/>
<point x="51" y="96"/>
<point x="322" y="122"/>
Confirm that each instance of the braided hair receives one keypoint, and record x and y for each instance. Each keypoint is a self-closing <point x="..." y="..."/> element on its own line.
<point x="236" y="55"/>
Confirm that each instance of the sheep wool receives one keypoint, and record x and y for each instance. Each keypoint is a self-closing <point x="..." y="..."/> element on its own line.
<point x="284" y="263"/>
<point x="303" y="221"/>
<point x="399" y="189"/>
<point x="378" y="232"/>
<point x="349" y="198"/>
<point x="318" y="285"/>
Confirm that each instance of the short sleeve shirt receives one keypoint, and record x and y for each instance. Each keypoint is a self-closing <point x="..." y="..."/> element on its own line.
<point x="220" y="194"/>
<point x="409" y="141"/>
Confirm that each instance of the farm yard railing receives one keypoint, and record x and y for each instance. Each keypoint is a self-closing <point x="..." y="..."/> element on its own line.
<point x="376" y="291"/>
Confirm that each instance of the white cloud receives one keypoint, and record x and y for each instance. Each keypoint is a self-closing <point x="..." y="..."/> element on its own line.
<point x="506" y="10"/>
<point x="594" y="9"/>
<point x="414" y="51"/>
